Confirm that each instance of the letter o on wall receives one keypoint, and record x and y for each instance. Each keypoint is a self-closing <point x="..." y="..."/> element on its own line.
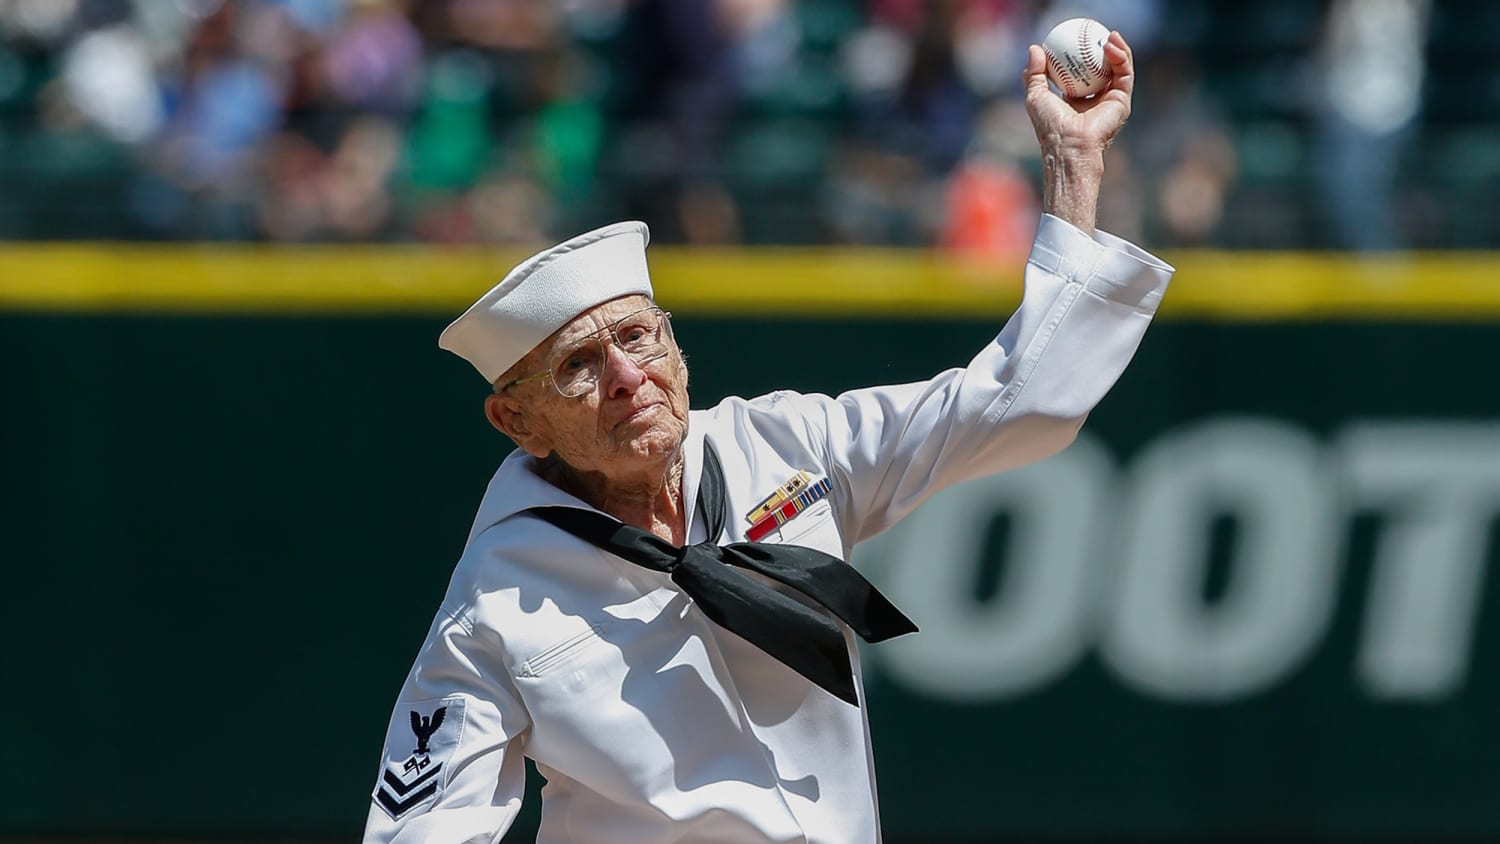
<point x="1161" y="635"/>
<point x="1038" y="625"/>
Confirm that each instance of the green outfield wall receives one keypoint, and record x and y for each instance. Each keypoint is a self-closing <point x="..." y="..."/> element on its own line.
<point x="1254" y="599"/>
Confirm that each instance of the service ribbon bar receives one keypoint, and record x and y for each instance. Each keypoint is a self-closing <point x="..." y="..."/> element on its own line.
<point x="777" y="498"/>
<point x="788" y="510"/>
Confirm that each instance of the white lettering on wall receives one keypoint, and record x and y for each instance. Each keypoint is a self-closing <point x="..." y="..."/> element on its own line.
<point x="1439" y="488"/>
<point x="1037" y="625"/>
<point x="1161" y="635"/>
<point x="1115" y="562"/>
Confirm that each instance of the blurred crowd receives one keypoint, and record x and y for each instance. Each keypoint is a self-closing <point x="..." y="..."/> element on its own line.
<point x="894" y="122"/>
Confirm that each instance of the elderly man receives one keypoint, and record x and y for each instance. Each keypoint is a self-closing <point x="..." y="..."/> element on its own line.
<point x="653" y="604"/>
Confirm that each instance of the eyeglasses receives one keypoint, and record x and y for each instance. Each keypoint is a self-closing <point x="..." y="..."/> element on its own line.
<point x="644" y="336"/>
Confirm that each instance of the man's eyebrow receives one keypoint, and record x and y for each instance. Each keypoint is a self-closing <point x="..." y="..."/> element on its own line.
<point x="564" y="344"/>
<point x="573" y="330"/>
<point x="567" y="338"/>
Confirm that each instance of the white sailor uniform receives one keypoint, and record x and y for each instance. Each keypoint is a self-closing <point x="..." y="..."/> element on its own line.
<point x="649" y="722"/>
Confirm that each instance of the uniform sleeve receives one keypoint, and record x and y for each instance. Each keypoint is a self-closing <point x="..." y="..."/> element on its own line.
<point x="453" y="768"/>
<point x="1086" y="305"/>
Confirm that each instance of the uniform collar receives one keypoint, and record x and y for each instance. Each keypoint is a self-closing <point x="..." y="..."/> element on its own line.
<point x="516" y="486"/>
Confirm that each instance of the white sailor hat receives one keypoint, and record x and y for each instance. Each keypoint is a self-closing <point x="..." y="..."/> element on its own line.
<point x="545" y="292"/>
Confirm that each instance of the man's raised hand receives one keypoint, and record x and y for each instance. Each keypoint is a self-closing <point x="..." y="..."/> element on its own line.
<point x="1064" y="125"/>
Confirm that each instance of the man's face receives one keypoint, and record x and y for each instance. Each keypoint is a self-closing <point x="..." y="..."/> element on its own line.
<point x="633" y="418"/>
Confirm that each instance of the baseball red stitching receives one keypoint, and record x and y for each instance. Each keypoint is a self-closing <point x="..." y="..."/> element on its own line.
<point x="1062" y="74"/>
<point x="1088" y="55"/>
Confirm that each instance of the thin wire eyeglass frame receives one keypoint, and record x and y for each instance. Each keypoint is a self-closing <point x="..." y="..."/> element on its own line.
<point x="664" y="331"/>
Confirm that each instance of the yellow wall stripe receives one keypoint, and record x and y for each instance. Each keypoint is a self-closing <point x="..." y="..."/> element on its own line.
<point x="333" y="280"/>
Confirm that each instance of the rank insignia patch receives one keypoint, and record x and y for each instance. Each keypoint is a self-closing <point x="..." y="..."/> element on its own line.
<point x="416" y="748"/>
<point x="784" y="504"/>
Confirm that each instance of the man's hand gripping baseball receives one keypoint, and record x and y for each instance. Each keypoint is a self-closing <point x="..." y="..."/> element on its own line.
<point x="1073" y="134"/>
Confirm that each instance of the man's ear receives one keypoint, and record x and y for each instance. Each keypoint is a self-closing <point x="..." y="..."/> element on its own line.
<point x="511" y="419"/>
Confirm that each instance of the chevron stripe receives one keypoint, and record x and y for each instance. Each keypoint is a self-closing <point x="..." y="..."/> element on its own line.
<point x="403" y="788"/>
<point x="396" y="808"/>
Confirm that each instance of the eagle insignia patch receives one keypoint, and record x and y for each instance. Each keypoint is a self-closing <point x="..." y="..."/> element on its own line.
<point x="416" y="749"/>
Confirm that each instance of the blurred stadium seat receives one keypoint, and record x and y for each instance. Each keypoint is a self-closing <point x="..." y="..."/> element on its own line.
<point x="756" y="122"/>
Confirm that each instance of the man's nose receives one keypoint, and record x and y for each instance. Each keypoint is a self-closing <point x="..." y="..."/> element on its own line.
<point x="622" y="375"/>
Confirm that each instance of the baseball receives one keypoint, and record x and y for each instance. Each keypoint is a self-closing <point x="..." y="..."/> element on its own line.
<point x="1075" y="57"/>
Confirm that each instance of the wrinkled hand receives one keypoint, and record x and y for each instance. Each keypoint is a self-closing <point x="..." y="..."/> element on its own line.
<point x="1080" y="125"/>
<point x="1074" y="133"/>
